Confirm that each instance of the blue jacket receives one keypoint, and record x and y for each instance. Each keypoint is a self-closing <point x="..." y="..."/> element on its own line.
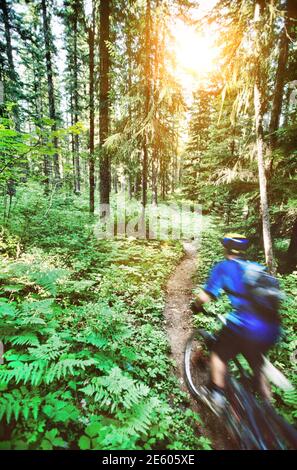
<point x="227" y="276"/>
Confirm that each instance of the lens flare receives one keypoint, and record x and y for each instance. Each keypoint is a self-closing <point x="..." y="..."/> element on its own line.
<point x="194" y="53"/>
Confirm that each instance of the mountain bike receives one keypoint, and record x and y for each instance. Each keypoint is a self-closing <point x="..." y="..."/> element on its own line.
<point x="252" y="423"/>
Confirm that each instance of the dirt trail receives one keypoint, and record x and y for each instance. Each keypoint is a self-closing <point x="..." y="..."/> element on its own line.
<point x="179" y="326"/>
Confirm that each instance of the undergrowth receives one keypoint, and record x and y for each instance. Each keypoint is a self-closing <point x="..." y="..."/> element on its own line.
<point x="85" y="352"/>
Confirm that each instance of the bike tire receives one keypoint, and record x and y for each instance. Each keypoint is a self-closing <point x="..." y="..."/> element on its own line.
<point x="242" y="438"/>
<point x="198" y="337"/>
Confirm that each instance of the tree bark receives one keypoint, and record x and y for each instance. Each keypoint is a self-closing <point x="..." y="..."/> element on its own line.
<point x="147" y="75"/>
<point x="91" y="41"/>
<point x="130" y="186"/>
<point x="132" y="163"/>
<point x="279" y="84"/>
<point x="259" y="86"/>
<point x="258" y="104"/>
<point x="155" y="176"/>
<point x="104" y="165"/>
<point x="137" y="185"/>
<point x="156" y="84"/>
<point x="292" y="250"/>
<point x="77" y="177"/>
<point x="11" y="68"/>
<point x="50" y="85"/>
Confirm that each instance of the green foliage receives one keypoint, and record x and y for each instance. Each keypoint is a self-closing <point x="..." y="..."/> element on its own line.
<point x="85" y="355"/>
<point x="9" y="243"/>
<point x="134" y="412"/>
<point x="51" y="439"/>
<point x="18" y="402"/>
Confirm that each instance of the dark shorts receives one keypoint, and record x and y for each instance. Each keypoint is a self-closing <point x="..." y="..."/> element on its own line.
<point x="229" y="345"/>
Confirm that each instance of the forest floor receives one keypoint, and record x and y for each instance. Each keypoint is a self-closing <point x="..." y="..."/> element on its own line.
<point x="179" y="326"/>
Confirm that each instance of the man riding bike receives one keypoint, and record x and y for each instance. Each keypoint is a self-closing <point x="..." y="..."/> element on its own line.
<point x="246" y="331"/>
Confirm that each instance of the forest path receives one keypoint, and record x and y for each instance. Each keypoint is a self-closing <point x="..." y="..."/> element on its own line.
<point x="178" y="319"/>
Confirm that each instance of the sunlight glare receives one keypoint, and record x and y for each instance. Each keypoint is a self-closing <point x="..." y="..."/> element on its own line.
<point x="195" y="53"/>
<point x="195" y="56"/>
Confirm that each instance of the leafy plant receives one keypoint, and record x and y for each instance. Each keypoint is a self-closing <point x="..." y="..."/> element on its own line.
<point x="84" y="346"/>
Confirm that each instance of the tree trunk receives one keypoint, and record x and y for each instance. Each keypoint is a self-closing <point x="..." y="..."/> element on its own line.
<point x="130" y="186"/>
<point x="147" y="75"/>
<point x="262" y="177"/>
<point x="279" y="88"/>
<point x="156" y="84"/>
<point x="144" y="170"/>
<point x="175" y="166"/>
<point x="137" y="185"/>
<point x="155" y="176"/>
<point x="115" y="183"/>
<point x="91" y="41"/>
<point x="132" y="163"/>
<point x="76" y="111"/>
<point x="292" y="250"/>
<point x="13" y="77"/>
<point x="11" y="69"/>
<point x="279" y="84"/>
<point x="104" y="100"/>
<point x="259" y="86"/>
<point x="72" y="142"/>
<point x="164" y="192"/>
<point x="50" y="85"/>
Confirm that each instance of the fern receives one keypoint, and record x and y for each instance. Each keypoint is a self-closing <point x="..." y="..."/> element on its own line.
<point x="69" y="364"/>
<point x="8" y="309"/>
<point x="140" y="419"/>
<point x="21" y="402"/>
<point x="66" y="367"/>
<point x="18" y="402"/>
<point x="33" y="320"/>
<point x="44" y="307"/>
<point x="126" y="428"/>
<point x="47" y="278"/>
<point x="40" y="370"/>
<point x="23" y="339"/>
<point x="23" y="372"/>
<point x="116" y="391"/>
<point x="52" y="349"/>
<point x="94" y="339"/>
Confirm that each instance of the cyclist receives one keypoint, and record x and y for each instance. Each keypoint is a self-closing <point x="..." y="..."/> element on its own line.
<point x="245" y="331"/>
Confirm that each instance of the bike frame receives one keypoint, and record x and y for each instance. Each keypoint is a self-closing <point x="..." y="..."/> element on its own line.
<point x="254" y="426"/>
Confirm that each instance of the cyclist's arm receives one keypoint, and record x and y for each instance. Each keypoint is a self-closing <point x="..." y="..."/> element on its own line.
<point x="201" y="299"/>
<point x="211" y="290"/>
